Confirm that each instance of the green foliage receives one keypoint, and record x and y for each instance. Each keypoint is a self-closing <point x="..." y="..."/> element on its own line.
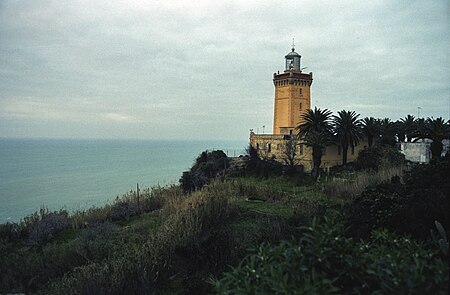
<point x="440" y="238"/>
<point x="387" y="132"/>
<point x="347" y="130"/>
<point x="253" y="157"/>
<point x="190" y="239"/>
<point x="206" y="167"/>
<point x="324" y="261"/>
<point x="410" y="207"/>
<point x="121" y="209"/>
<point x="316" y="131"/>
<point x="370" y="128"/>
<point x="436" y="130"/>
<point x="47" y="227"/>
<point x="378" y="156"/>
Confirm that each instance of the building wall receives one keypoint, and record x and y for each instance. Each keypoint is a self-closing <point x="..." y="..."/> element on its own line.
<point x="292" y="98"/>
<point x="420" y="152"/>
<point x="274" y="146"/>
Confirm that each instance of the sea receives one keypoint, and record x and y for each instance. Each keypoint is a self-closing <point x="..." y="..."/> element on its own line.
<point x="77" y="174"/>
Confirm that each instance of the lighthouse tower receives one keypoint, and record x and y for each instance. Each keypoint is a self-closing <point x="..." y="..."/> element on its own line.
<point x="292" y="94"/>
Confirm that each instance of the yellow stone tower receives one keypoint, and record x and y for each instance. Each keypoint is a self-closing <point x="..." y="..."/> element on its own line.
<point x="292" y="95"/>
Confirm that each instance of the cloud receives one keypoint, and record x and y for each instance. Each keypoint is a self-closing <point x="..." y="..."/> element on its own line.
<point x="161" y="64"/>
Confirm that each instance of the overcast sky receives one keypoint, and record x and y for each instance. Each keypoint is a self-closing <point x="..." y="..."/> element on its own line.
<point x="203" y="69"/>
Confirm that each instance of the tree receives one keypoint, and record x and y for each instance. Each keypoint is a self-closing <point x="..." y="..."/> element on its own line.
<point x="315" y="120"/>
<point x="318" y="141"/>
<point x="436" y="130"/>
<point x="206" y="167"/>
<point x="370" y="128"/>
<point x="316" y="133"/>
<point x="399" y="128"/>
<point x="289" y="153"/>
<point x="347" y="128"/>
<point x="387" y="132"/>
<point x="409" y="125"/>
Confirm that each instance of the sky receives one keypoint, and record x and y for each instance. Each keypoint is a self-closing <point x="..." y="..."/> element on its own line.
<point x="202" y="69"/>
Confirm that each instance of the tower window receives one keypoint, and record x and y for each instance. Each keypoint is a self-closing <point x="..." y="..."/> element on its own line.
<point x="301" y="91"/>
<point x="269" y="147"/>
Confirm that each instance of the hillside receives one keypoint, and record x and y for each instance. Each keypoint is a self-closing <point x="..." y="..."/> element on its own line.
<point x="174" y="242"/>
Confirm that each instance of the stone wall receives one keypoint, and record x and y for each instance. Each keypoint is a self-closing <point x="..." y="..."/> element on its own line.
<point x="275" y="146"/>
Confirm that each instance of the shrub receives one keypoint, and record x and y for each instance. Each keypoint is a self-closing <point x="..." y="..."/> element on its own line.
<point x="140" y="268"/>
<point x="324" y="261"/>
<point x="100" y="230"/>
<point x="352" y="185"/>
<point x="123" y="209"/>
<point x="47" y="227"/>
<point x="206" y="167"/>
<point x="10" y="231"/>
<point x="94" y="215"/>
<point x="410" y="208"/>
<point x="375" y="157"/>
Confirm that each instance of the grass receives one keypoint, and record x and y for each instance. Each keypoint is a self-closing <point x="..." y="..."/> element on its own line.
<point x="353" y="184"/>
<point x="177" y="241"/>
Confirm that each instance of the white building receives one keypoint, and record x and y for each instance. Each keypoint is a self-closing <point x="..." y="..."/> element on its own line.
<point x="420" y="151"/>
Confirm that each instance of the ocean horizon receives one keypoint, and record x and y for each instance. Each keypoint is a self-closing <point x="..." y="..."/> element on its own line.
<point x="82" y="173"/>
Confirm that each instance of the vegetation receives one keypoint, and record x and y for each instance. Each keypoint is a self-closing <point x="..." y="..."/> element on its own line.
<point x="436" y="130"/>
<point x="379" y="156"/>
<point x="347" y="129"/>
<point x="407" y="125"/>
<point x="316" y="131"/>
<point x="205" y="168"/>
<point x="376" y="227"/>
<point x="409" y="206"/>
<point x="370" y="129"/>
<point x="325" y="261"/>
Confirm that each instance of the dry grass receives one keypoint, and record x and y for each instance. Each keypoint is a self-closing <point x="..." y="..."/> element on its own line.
<point x="352" y="185"/>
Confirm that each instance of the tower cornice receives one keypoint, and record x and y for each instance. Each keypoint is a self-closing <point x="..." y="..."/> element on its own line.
<point x="293" y="77"/>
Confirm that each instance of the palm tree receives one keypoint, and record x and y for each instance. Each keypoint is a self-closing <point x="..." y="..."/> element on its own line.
<point x="419" y="128"/>
<point x="409" y="125"/>
<point x="370" y="128"/>
<point x="347" y="128"/>
<point x="399" y="129"/>
<point x="316" y="133"/>
<point x="436" y="130"/>
<point x="318" y="141"/>
<point x="315" y="120"/>
<point x="387" y="132"/>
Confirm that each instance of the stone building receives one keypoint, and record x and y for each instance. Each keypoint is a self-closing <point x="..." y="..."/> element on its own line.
<point x="292" y="98"/>
<point x="420" y="151"/>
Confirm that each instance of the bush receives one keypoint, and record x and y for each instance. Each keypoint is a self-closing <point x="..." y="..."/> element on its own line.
<point x="352" y="185"/>
<point x="47" y="227"/>
<point x="410" y="208"/>
<point x="123" y="209"/>
<point x="324" y="261"/>
<point x="10" y="232"/>
<point x="206" y="167"/>
<point x="375" y="157"/>
<point x="140" y="268"/>
<point x="100" y="230"/>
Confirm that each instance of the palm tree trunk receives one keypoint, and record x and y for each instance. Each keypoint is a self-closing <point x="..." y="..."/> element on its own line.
<point x="344" y="153"/>
<point x="317" y="159"/>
